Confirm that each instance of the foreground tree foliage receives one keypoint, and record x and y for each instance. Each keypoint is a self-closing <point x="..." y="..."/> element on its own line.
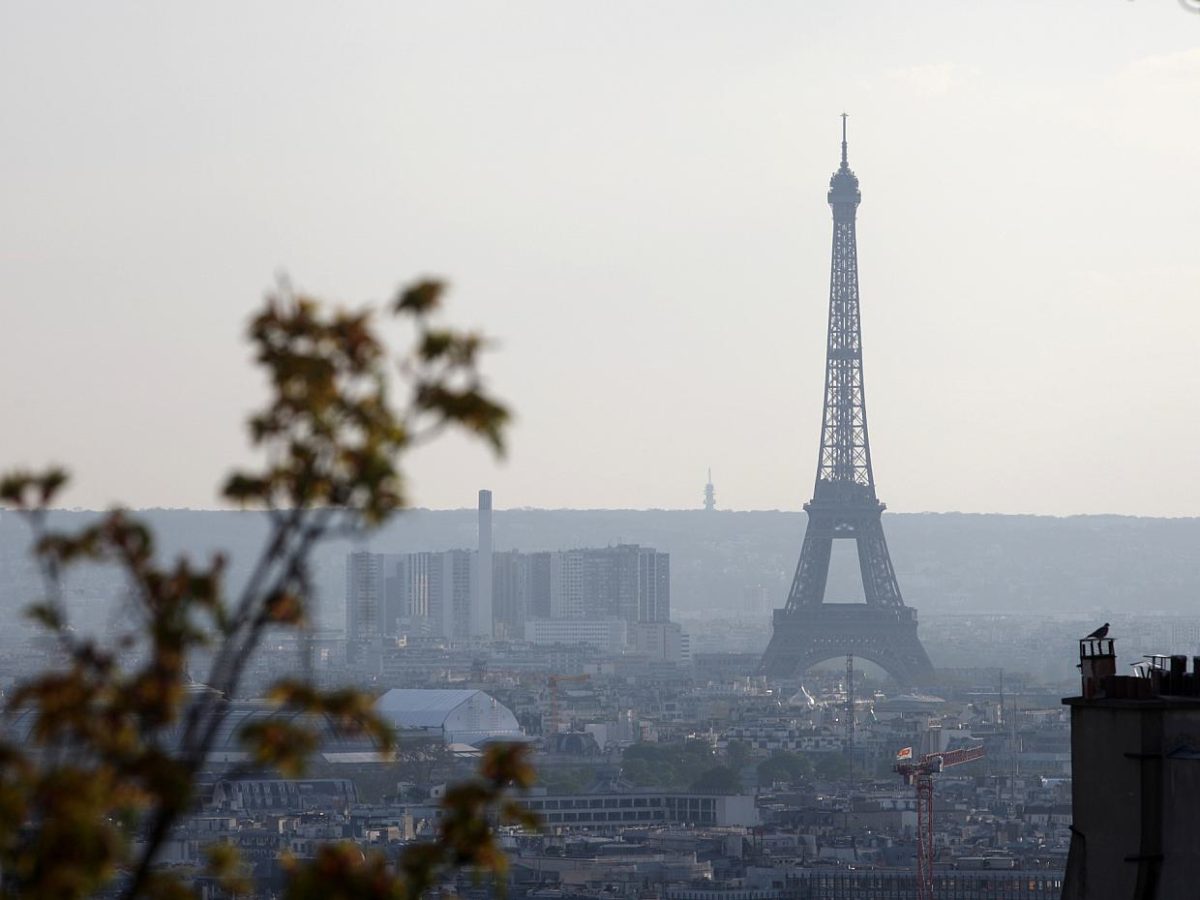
<point x="114" y="750"/>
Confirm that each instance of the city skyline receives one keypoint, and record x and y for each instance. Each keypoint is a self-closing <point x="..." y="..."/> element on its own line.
<point x="437" y="387"/>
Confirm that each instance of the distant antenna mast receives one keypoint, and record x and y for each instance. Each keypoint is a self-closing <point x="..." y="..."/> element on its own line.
<point x="710" y="494"/>
<point x="1014" y="761"/>
<point x="850" y="710"/>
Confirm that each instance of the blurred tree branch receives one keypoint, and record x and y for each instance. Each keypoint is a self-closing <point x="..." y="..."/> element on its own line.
<point x="113" y="752"/>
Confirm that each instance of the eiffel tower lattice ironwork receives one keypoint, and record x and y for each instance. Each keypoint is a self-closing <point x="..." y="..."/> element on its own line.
<point x="844" y="506"/>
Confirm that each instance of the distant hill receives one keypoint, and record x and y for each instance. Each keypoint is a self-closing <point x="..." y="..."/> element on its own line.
<point x="726" y="562"/>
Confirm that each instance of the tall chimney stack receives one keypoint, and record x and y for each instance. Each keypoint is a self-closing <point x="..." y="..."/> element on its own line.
<point x="481" y="614"/>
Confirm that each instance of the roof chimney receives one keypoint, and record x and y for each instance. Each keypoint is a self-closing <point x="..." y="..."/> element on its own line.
<point x="1097" y="660"/>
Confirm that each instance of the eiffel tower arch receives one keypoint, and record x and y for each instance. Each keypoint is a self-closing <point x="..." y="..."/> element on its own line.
<point x="844" y="505"/>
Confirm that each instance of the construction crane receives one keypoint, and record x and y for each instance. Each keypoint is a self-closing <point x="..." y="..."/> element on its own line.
<point x="920" y="773"/>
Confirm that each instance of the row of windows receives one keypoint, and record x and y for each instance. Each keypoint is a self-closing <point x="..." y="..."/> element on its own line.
<point x="948" y="881"/>
<point x="594" y="803"/>
<point x="672" y="803"/>
<point x="994" y="892"/>
<point x="646" y="815"/>
<point x="691" y="802"/>
<point x="863" y="886"/>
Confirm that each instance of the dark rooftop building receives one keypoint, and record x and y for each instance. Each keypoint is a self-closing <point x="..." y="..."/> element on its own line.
<point x="1135" y="757"/>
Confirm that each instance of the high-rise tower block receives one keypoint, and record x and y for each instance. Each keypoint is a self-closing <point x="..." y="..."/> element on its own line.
<point x="481" y="608"/>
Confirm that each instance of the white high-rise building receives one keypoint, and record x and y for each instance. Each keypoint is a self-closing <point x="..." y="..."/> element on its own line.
<point x="567" y="578"/>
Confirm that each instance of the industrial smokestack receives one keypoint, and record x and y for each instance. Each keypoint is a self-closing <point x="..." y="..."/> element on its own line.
<point x="481" y="612"/>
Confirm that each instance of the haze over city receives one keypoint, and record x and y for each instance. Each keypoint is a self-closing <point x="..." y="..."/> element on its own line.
<point x="630" y="200"/>
<point x="844" y="356"/>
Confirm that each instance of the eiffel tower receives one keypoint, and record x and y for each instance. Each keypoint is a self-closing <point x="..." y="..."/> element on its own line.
<point x="844" y="506"/>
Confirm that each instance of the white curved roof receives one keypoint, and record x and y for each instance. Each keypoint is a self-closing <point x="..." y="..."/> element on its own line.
<point x="465" y="717"/>
<point x="422" y="708"/>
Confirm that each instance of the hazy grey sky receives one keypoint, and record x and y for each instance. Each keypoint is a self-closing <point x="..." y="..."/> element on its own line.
<point x="631" y="197"/>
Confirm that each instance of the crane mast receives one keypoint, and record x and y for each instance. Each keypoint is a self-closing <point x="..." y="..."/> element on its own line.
<point x="920" y="774"/>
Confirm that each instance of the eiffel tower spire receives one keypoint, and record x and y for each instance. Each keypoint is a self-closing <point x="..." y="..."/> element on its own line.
<point x="844" y="505"/>
<point x="844" y="464"/>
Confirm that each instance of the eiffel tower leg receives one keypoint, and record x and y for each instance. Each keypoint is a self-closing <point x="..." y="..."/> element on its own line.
<point x="879" y="578"/>
<point x="772" y="664"/>
<point x="808" y="589"/>
<point x="812" y="571"/>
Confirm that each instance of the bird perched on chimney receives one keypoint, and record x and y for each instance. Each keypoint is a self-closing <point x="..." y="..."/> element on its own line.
<point x="1099" y="633"/>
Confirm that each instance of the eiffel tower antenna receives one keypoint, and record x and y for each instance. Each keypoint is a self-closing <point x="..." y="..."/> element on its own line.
<point x="808" y="630"/>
